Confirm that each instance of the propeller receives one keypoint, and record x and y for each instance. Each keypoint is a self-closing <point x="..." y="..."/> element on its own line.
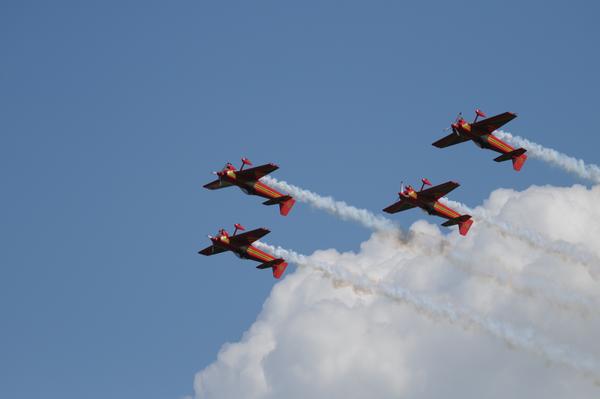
<point x="452" y="126"/>
<point x="401" y="188"/>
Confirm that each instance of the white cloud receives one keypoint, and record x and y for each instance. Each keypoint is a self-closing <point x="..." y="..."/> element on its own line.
<point x="319" y="336"/>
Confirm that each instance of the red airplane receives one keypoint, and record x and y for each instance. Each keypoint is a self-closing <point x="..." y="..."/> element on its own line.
<point x="241" y="246"/>
<point x="428" y="201"/>
<point x="481" y="134"/>
<point x="248" y="181"/>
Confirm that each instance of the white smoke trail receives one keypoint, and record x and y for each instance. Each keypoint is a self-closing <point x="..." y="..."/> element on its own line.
<point x="562" y="249"/>
<point x="337" y="208"/>
<point x="572" y="165"/>
<point x="556" y="297"/>
<point x="542" y="289"/>
<point x="526" y="340"/>
<point x="376" y="222"/>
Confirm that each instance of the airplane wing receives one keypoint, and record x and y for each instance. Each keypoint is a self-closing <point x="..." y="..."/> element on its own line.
<point x="213" y="185"/>
<point x="257" y="172"/>
<point x="488" y="125"/>
<point x="212" y="250"/>
<point x="450" y="139"/>
<point x="248" y="237"/>
<point x="399" y="207"/>
<point x="438" y="191"/>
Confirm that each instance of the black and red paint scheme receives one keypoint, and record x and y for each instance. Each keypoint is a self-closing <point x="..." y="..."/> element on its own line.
<point x="248" y="180"/>
<point x="428" y="200"/>
<point x="241" y="246"/>
<point x="480" y="132"/>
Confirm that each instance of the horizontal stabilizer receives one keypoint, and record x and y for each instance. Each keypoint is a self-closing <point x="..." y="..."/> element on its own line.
<point x="278" y="200"/>
<point x="278" y="266"/>
<point x="456" y="220"/>
<point x="510" y="155"/>
<point x="285" y="203"/>
<point x="464" y="223"/>
<point x="267" y="265"/>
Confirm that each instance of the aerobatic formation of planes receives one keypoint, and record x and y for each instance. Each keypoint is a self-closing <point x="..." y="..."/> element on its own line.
<point x="428" y="199"/>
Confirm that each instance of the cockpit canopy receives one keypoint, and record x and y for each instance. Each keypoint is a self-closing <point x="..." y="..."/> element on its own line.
<point x="223" y="233"/>
<point x="228" y="166"/>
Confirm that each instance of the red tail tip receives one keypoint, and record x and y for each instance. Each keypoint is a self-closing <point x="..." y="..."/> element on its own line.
<point x="519" y="161"/>
<point x="279" y="269"/>
<point x="286" y="206"/>
<point x="464" y="227"/>
<point x="480" y="113"/>
<point x="426" y="181"/>
<point x="246" y="161"/>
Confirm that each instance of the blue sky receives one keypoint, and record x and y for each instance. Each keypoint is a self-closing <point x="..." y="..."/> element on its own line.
<point x="115" y="113"/>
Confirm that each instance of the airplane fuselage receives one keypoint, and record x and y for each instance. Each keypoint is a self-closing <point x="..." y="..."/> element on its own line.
<point x="488" y="141"/>
<point x="242" y="252"/>
<point x="250" y="187"/>
<point x="431" y="207"/>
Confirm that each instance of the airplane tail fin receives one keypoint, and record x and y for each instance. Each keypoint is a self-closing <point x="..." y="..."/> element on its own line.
<point x="279" y="269"/>
<point x="278" y="266"/>
<point x="519" y="161"/>
<point x="463" y="227"/>
<point x="517" y="156"/>
<point x="464" y="223"/>
<point x="285" y="203"/>
<point x="286" y="206"/>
